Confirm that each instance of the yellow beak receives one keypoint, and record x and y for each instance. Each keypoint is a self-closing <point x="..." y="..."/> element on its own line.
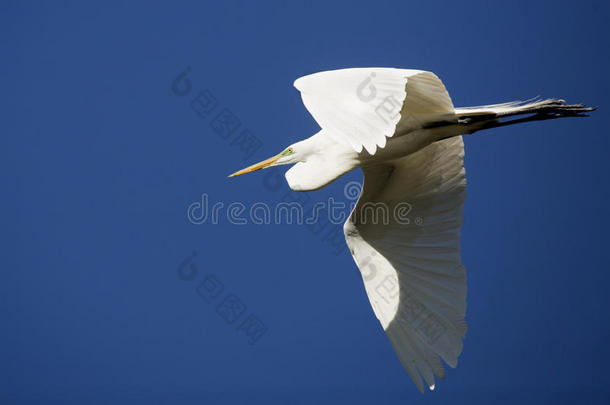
<point x="260" y="165"/>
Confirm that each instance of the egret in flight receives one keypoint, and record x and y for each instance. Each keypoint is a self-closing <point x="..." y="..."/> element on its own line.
<point x="401" y="128"/>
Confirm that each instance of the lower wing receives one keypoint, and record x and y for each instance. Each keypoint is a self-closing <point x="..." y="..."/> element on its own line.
<point x="404" y="235"/>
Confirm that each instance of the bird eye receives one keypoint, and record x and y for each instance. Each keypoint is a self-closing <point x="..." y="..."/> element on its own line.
<point x="287" y="152"/>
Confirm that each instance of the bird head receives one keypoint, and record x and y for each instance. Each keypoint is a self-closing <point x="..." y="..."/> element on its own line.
<point x="317" y="160"/>
<point x="290" y="155"/>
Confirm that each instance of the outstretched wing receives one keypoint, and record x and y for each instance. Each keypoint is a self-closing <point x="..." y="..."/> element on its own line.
<point x="404" y="235"/>
<point x="362" y="107"/>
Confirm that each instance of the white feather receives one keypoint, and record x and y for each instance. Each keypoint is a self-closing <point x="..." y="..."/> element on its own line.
<point x="412" y="272"/>
<point x="365" y="106"/>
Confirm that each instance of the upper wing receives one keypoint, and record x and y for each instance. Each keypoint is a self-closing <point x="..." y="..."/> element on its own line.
<point x="362" y="107"/>
<point x="410" y="258"/>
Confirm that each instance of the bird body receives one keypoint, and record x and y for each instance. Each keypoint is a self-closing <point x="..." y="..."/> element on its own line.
<point x="401" y="128"/>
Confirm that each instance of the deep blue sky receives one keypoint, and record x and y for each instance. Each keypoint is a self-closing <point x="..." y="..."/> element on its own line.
<point x="100" y="160"/>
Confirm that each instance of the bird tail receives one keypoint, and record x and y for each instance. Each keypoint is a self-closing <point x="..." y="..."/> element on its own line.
<point x="496" y="115"/>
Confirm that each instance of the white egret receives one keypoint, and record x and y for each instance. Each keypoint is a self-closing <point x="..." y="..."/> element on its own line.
<point x="401" y="128"/>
